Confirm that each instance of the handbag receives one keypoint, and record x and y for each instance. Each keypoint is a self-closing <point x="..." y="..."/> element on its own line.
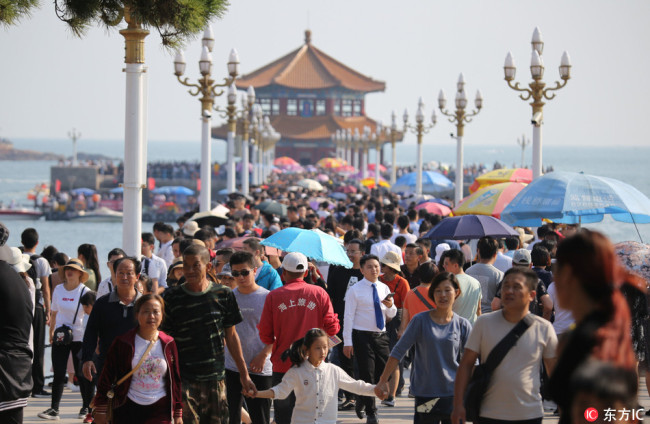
<point x="63" y="334"/>
<point x="110" y="394"/>
<point x="482" y="374"/>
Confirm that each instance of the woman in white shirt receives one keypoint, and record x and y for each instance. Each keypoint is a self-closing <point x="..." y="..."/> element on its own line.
<point x="67" y="311"/>
<point x="315" y="382"/>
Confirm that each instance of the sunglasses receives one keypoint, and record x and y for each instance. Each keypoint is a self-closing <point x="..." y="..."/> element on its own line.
<point x="243" y="273"/>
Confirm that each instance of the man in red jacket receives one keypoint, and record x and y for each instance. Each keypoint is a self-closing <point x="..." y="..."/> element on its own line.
<point x="289" y="312"/>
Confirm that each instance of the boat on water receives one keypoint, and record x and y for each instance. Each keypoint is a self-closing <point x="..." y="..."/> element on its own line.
<point x="15" y="214"/>
<point x="102" y="214"/>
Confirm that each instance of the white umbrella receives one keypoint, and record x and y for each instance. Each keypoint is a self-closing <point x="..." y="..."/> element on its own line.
<point x="310" y="184"/>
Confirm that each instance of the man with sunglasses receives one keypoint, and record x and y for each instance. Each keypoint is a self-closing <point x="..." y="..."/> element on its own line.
<point x="289" y="312"/>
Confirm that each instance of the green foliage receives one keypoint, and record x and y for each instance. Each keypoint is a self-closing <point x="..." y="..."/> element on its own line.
<point x="175" y="20"/>
<point x="12" y="10"/>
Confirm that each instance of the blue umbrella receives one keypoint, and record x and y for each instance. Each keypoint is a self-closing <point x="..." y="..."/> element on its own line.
<point x="82" y="190"/>
<point x="314" y="244"/>
<point x="572" y="198"/>
<point x="116" y="190"/>
<point x="470" y="227"/>
<point x="432" y="182"/>
<point x="338" y="195"/>
<point x="176" y="190"/>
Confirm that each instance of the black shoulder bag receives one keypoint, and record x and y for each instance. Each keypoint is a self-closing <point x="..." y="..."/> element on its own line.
<point x="480" y="379"/>
<point x="426" y="303"/>
<point x="63" y="335"/>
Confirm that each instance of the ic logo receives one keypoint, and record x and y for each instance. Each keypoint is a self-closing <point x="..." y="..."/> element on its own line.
<point x="591" y="414"/>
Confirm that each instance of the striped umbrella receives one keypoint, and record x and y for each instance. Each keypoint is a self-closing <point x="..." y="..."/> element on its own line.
<point x="490" y="200"/>
<point x="517" y="175"/>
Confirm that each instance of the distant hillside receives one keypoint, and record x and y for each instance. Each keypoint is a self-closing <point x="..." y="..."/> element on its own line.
<point x="7" y="152"/>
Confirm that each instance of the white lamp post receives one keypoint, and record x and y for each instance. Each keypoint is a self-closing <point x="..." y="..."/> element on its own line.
<point x="537" y="91"/>
<point x="206" y="87"/>
<point x="419" y="129"/>
<point x="460" y="118"/>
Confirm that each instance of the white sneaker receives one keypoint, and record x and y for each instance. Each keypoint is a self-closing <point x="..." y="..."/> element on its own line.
<point x="72" y="387"/>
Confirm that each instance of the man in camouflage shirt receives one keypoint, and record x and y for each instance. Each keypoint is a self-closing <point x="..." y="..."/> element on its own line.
<point x="200" y="315"/>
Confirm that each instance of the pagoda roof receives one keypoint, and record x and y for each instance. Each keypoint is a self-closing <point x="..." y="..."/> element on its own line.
<point x="308" y="68"/>
<point x="312" y="128"/>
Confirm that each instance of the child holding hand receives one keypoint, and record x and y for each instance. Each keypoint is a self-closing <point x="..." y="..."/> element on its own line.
<point x="316" y="383"/>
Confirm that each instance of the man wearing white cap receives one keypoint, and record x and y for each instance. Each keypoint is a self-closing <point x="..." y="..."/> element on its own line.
<point x="289" y="312"/>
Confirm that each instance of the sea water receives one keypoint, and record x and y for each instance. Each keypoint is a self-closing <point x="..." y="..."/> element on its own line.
<point x="628" y="164"/>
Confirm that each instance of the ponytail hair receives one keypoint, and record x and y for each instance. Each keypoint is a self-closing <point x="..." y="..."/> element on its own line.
<point x="297" y="352"/>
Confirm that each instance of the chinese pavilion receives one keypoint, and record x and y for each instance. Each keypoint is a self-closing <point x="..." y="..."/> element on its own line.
<point x="308" y="96"/>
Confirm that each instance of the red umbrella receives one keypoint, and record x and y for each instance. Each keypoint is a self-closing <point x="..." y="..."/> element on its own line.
<point x="371" y="167"/>
<point x="434" y="208"/>
<point x="284" y="161"/>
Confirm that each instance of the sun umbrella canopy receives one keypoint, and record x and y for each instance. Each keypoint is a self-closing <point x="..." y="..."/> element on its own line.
<point x="432" y="182"/>
<point x="310" y="184"/>
<point x="490" y="200"/>
<point x="82" y="190"/>
<point x="434" y="208"/>
<point x="517" y="175"/>
<point x="314" y="244"/>
<point x="323" y="177"/>
<point x="346" y="169"/>
<point x="238" y="244"/>
<point x="347" y="189"/>
<point x="572" y="197"/>
<point x="469" y="227"/>
<point x="635" y="256"/>
<point x="284" y="161"/>
<point x="436" y="200"/>
<point x="176" y="190"/>
<point x="331" y="163"/>
<point x="371" y="167"/>
<point x="370" y="183"/>
<point x="213" y="218"/>
<point x="272" y="207"/>
<point x="338" y="195"/>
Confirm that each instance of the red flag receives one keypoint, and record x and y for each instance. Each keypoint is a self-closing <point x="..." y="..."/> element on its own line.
<point x="151" y="183"/>
<point x="198" y="184"/>
<point x="57" y="186"/>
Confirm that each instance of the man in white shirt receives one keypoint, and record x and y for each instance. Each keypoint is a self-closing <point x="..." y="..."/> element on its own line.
<point x="403" y="226"/>
<point x="502" y="262"/>
<point x="367" y="307"/>
<point x="385" y="245"/>
<point x="106" y="286"/>
<point x="152" y="265"/>
<point x="468" y="304"/>
<point x="164" y="233"/>
<point x="513" y="393"/>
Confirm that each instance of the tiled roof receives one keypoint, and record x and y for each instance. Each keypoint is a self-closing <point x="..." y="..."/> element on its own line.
<point x="310" y="129"/>
<point x="309" y="68"/>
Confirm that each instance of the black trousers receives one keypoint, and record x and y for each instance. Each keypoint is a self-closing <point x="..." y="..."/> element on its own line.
<point x="258" y="409"/>
<point x="38" y="324"/>
<point x="60" y="355"/>
<point x="391" y="328"/>
<point x="12" y="416"/>
<point x="482" y="420"/>
<point x="283" y="408"/>
<point x="371" y="351"/>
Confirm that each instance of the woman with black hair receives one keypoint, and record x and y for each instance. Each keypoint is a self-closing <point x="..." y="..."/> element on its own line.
<point x="87" y="253"/>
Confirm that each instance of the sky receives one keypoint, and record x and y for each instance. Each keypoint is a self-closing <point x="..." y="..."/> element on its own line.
<point x="52" y="81"/>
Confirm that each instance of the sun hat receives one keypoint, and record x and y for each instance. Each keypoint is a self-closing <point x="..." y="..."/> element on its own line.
<point x="75" y="263"/>
<point x="190" y="228"/>
<point x="523" y="236"/>
<point x="391" y="260"/>
<point x="178" y="262"/>
<point x="442" y="247"/>
<point x="226" y="271"/>
<point x="521" y="257"/>
<point x="14" y="257"/>
<point x="295" y="262"/>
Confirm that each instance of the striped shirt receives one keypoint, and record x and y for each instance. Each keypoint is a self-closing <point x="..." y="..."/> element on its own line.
<point x="197" y="321"/>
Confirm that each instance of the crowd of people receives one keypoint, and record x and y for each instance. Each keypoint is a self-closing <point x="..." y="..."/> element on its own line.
<point x="207" y="325"/>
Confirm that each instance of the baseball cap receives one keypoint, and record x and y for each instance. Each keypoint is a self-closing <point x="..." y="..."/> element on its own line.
<point x="295" y="262"/>
<point x="521" y="257"/>
<point x="226" y="271"/>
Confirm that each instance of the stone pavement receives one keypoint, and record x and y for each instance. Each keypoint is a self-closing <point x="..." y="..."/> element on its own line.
<point x="402" y="413"/>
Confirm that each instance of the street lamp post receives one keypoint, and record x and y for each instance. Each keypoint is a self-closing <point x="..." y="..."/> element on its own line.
<point x="523" y="142"/>
<point x="460" y="117"/>
<point x="393" y="140"/>
<point x="377" y="141"/>
<point x="419" y="129"/>
<point x="349" y="148"/>
<point x="365" y="141"/>
<point x="206" y="87"/>
<point x="134" y="132"/>
<point x="248" y="100"/>
<point x="74" y="135"/>
<point x="537" y="91"/>
<point x="255" y="129"/>
<point x="356" y="148"/>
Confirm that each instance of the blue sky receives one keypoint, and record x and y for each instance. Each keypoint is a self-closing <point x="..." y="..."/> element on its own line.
<point x="51" y="81"/>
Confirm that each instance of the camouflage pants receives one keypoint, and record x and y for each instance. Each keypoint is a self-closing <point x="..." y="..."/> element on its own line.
<point x="204" y="402"/>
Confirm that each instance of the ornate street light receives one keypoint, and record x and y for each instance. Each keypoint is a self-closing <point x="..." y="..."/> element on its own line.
<point x="460" y="118"/>
<point x="207" y="88"/>
<point x="419" y="129"/>
<point x="537" y="91"/>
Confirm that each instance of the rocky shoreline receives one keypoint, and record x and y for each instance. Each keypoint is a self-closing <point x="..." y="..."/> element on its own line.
<point x="8" y="152"/>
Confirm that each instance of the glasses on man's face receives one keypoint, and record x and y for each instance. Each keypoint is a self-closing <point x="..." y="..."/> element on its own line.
<point x="352" y="252"/>
<point x="243" y="273"/>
